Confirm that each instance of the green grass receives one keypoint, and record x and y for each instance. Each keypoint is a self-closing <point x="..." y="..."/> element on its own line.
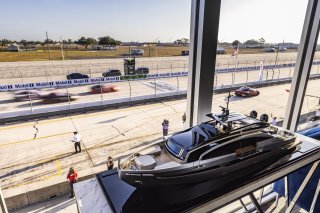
<point x="43" y="55"/>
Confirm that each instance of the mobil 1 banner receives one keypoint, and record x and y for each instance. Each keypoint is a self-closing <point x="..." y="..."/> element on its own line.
<point x="43" y="85"/>
<point x="81" y="81"/>
<point x="112" y="79"/>
<point x="23" y="86"/>
<point x="5" y="88"/>
<point x="178" y="74"/>
<point x="104" y="79"/>
<point x="64" y="83"/>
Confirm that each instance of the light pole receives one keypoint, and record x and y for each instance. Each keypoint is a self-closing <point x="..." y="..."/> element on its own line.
<point x="48" y="45"/>
<point x="61" y="45"/>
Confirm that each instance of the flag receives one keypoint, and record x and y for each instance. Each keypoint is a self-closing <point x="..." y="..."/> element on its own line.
<point x="235" y="51"/>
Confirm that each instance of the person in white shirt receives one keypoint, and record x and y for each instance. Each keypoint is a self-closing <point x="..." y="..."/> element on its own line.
<point x="77" y="139"/>
<point x="274" y="121"/>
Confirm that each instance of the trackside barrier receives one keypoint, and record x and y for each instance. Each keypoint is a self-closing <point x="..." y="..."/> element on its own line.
<point x="88" y="81"/>
<point x="45" y="112"/>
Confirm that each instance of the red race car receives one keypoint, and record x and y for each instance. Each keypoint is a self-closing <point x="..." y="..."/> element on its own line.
<point x="246" y="92"/>
<point x="96" y="89"/>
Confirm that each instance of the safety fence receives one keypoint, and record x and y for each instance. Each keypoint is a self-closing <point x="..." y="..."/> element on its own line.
<point x="75" y="97"/>
<point x="99" y="80"/>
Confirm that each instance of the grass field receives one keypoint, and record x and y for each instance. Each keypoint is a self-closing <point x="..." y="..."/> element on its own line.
<point x="43" y="55"/>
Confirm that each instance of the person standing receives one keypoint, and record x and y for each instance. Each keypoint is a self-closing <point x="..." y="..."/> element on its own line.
<point x="165" y="128"/>
<point x="274" y="121"/>
<point x="184" y="118"/>
<point x="77" y="139"/>
<point x="73" y="178"/>
<point x="110" y="163"/>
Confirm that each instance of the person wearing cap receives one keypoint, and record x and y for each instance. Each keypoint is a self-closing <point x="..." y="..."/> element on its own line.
<point x="76" y="140"/>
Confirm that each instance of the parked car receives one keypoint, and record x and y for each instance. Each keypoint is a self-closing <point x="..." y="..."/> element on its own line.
<point x="25" y="95"/>
<point x="269" y="49"/>
<point x="104" y="89"/>
<point x="282" y="49"/>
<point x="76" y="76"/>
<point x="246" y="92"/>
<point x="221" y="50"/>
<point x="185" y="52"/>
<point x="137" y="52"/>
<point x="55" y="97"/>
<point x="142" y="70"/>
<point x="111" y="72"/>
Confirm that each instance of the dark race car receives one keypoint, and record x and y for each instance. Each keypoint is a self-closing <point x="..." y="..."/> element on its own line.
<point x="55" y="97"/>
<point x="246" y="92"/>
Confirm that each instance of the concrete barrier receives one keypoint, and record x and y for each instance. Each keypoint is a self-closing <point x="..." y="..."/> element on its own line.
<point x="39" y="195"/>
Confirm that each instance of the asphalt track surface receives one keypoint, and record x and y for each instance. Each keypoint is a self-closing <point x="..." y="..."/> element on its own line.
<point x="31" y="158"/>
<point x="143" y="87"/>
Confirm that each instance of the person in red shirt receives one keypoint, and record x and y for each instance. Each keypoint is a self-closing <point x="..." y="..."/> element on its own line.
<point x="72" y="177"/>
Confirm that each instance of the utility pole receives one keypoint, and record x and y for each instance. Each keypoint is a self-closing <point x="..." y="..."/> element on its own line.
<point x="48" y="46"/>
<point x="61" y="45"/>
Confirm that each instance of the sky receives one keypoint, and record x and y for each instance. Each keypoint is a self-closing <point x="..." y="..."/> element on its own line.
<point x="148" y="20"/>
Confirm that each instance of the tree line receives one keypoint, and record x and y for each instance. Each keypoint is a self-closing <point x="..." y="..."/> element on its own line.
<point x="105" y="40"/>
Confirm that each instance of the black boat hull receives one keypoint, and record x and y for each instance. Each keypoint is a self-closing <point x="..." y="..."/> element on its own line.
<point x="219" y="175"/>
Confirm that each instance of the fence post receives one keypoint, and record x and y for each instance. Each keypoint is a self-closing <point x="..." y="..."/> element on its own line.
<point x="30" y="102"/>
<point x="90" y="73"/>
<point x="130" y="90"/>
<point x="178" y="85"/>
<point x="155" y="88"/>
<point x="278" y="73"/>
<point x="216" y="74"/>
<point x="101" y="93"/>
<point x="289" y="72"/>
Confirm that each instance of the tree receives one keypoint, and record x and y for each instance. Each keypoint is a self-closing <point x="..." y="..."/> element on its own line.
<point x="262" y="40"/>
<point x="24" y="42"/>
<point x="235" y="43"/>
<point x="252" y="43"/>
<point x="5" y="42"/>
<point x="107" y="40"/>
<point x="48" y="41"/>
<point x="90" y="41"/>
<point x="82" y="41"/>
<point x="183" y="41"/>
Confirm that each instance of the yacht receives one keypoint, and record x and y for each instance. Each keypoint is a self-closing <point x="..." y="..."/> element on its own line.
<point x="226" y="148"/>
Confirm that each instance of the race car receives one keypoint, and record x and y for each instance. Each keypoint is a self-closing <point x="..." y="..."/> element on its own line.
<point x="55" y="97"/>
<point x="96" y="89"/>
<point x="26" y="95"/>
<point x="246" y="92"/>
